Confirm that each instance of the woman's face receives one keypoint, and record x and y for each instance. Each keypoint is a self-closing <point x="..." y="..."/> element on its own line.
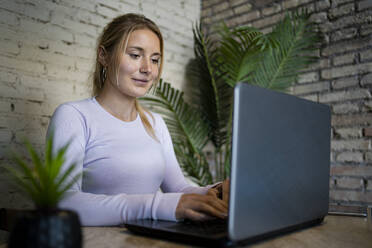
<point x="140" y="63"/>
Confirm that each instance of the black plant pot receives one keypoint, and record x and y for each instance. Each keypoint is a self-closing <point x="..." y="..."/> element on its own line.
<point x="46" y="229"/>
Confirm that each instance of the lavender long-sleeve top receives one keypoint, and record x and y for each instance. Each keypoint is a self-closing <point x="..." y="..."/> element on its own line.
<point x="122" y="166"/>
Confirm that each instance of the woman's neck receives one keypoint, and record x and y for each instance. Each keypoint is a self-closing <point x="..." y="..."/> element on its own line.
<point x="117" y="104"/>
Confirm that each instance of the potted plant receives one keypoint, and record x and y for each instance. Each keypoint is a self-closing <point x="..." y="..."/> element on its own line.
<point x="241" y="54"/>
<point x="45" y="182"/>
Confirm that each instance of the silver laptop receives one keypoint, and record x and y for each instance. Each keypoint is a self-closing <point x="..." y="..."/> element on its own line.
<point x="279" y="172"/>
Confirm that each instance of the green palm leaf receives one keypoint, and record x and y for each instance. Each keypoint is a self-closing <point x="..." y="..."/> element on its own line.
<point x="240" y="52"/>
<point x="210" y="93"/>
<point x="194" y="165"/>
<point x="183" y="121"/>
<point x="188" y="128"/>
<point x="280" y="66"/>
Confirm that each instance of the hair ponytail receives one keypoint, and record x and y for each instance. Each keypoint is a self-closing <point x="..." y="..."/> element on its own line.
<point x="142" y="113"/>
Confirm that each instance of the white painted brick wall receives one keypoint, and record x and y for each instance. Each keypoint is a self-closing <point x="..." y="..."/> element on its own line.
<point x="47" y="52"/>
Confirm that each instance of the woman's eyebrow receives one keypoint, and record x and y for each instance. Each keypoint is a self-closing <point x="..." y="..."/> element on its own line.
<point x="141" y="49"/>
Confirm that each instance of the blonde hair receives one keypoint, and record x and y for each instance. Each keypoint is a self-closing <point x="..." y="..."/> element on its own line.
<point x="114" y="39"/>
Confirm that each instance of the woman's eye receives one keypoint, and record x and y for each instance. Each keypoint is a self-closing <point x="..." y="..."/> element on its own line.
<point x="155" y="61"/>
<point x="134" y="56"/>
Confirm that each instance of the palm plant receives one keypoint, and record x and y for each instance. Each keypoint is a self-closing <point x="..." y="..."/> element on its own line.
<point x="241" y="54"/>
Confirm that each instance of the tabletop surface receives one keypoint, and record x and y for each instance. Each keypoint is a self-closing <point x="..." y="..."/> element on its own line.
<point x="335" y="231"/>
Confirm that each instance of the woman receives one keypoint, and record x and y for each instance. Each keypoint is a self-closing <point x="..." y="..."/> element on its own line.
<point x="125" y="154"/>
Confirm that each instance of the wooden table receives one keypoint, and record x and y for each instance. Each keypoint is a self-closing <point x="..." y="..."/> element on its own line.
<point x="336" y="231"/>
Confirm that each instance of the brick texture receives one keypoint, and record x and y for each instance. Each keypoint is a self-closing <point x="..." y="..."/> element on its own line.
<point x="342" y="79"/>
<point x="47" y="51"/>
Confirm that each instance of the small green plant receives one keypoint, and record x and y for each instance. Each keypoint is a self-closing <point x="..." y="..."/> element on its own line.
<point x="43" y="180"/>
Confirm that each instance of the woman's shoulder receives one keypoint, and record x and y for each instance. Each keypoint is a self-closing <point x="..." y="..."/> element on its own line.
<point x="81" y="107"/>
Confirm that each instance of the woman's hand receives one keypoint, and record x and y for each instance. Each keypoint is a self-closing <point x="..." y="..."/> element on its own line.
<point x="221" y="191"/>
<point x="200" y="207"/>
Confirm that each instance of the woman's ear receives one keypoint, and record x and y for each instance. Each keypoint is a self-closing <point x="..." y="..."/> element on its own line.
<point x="102" y="56"/>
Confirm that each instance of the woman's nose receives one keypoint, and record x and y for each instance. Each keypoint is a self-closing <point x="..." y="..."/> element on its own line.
<point x="145" y="66"/>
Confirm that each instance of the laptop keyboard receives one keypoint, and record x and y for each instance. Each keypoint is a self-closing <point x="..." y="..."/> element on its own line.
<point x="209" y="227"/>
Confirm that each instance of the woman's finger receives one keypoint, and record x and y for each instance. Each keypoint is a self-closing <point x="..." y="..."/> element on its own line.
<point x="213" y="192"/>
<point x="226" y="190"/>
<point x="196" y="216"/>
<point x="212" y="206"/>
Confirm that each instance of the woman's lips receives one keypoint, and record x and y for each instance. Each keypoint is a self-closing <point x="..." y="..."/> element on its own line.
<point x="141" y="81"/>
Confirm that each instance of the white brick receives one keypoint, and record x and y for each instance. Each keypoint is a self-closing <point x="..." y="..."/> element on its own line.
<point x="344" y="83"/>
<point x="345" y="95"/>
<point x="364" y="4"/>
<point x="267" y="21"/>
<point x="345" y="46"/>
<point x="271" y="10"/>
<point x="22" y="65"/>
<point x="72" y="50"/>
<point x="366" y="29"/>
<point x="366" y="79"/>
<point x="48" y="31"/>
<point x="344" y="108"/>
<point x="368" y="104"/>
<point x="321" y="5"/>
<point x="369" y="183"/>
<point x="344" y="59"/>
<point x="4" y="106"/>
<point x="366" y="55"/>
<point x="107" y="12"/>
<point x="319" y="17"/>
<point x="16" y="90"/>
<point x="9" y="48"/>
<point x="37" y="135"/>
<point x="346" y="70"/>
<point x="342" y="10"/>
<point x="63" y="72"/>
<point x="74" y="26"/>
<point x="17" y="123"/>
<point x="86" y="4"/>
<point x="6" y="76"/>
<point x="309" y="88"/>
<point x="350" y="144"/>
<point x="350" y="183"/>
<point x="85" y="65"/>
<point x="369" y="159"/>
<point x="8" y="18"/>
<point x="43" y="56"/>
<point x="290" y="4"/>
<point x="85" y="40"/>
<point x="336" y="3"/>
<point x="91" y="18"/>
<point x="23" y="37"/>
<point x="37" y="10"/>
<point x="308" y="77"/>
<point x="349" y="132"/>
<point x="5" y="136"/>
<point x="346" y="33"/>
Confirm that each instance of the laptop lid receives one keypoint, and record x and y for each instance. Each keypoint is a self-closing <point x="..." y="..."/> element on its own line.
<point x="280" y="162"/>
